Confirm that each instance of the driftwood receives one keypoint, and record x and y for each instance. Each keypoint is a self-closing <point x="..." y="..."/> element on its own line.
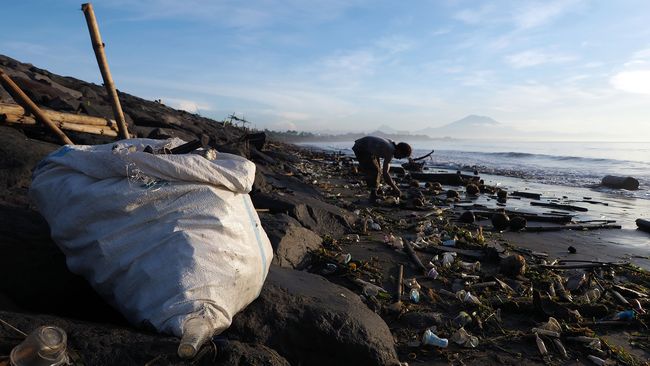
<point x="422" y="157"/>
<point x="19" y="96"/>
<point x="540" y="229"/>
<point x="15" y="114"/>
<point x="556" y="219"/>
<point x="98" y="47"/>
<point x="435" y="249"/>
<point x="452" y="179"/>
<point x="408" y="248"/>
<point x="613" y="181"/>
<point x="530" y="195"/>
<point x="560" y="206"/>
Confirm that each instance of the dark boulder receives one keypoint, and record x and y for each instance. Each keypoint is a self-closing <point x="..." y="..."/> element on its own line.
<point x="312" y="213"/>
<point x="290" y="241"/>
<point x="311" y="321"/>
<point x="628" y="183"/>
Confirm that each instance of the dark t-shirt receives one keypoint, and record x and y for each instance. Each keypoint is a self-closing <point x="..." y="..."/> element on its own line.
<point x="377" y="147"/>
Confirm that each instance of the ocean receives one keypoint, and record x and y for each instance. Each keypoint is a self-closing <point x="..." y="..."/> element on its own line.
<point x="570" y="164"/>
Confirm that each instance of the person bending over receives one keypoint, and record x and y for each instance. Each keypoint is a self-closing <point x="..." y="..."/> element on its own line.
<point x="368" y="151"/>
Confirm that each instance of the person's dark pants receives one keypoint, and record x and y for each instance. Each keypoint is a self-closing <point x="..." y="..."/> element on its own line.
<point x="369" y="166"/>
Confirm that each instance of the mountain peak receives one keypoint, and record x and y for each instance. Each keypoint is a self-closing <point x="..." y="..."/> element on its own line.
<point x="474" y="120"/>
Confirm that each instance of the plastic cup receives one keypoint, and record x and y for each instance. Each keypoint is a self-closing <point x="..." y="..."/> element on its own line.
<point x="45" y="346"/>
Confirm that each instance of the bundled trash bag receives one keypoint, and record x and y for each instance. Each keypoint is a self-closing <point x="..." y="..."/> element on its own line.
<point x="169" y="240"/>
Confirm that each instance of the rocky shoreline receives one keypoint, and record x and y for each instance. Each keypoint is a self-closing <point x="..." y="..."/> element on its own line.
<point x="320" y="304"/>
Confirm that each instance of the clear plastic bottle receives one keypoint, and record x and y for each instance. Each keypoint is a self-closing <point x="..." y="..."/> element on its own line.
<point x="432" y="273"/>
<point x="196" y="331"/>
<point x="431" y="339"/>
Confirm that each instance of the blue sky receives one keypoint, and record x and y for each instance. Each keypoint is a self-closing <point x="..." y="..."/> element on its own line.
<point x="574" y="66"/>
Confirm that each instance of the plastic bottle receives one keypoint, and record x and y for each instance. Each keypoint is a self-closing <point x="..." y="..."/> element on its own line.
<point x="447" y="259"/>
<point x="625" y="315"/>
<point x="471" y="267"/>
<point x="540" y="345"/>
<point x="432" y="273"/>
<point x="369" y="289"/>
<point x="345" y="258"/>
<point x="449" y="243"/>
<point x="196" y="331"/>
<point x="560" y="347"/>
<point x="414" y="295"/>
<point x="430" y="339"/>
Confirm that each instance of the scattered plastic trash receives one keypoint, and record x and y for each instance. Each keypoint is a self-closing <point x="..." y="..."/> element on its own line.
<point x="431" y="339"/>
<point x="471" y="267"/>
<point x="449" y="242"/>
<point x="432" y="273"/>
<point x="540" y="345"/>
<point x="414" y="295"/>
<point x="467" y="297"/>
<point x="45" y="346"/>
<point x="448" y="258"/>
<point x="625" y="315"/>
<point x="463" y="338"/>
<point x="462" y="319"/>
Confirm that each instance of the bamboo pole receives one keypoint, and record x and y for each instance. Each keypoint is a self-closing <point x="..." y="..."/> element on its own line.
<point x="29" y="121"/>
<point x="19" y="96"/>
<point x="98" y="46"/>
<point x="15" y="112"/>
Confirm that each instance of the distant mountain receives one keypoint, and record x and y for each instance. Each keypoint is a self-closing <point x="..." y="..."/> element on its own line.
<point x="472" y="126"/>
<point x="389" y="130"/>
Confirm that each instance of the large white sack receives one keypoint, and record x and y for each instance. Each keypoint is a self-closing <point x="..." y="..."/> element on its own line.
<point x="163" y="238"/>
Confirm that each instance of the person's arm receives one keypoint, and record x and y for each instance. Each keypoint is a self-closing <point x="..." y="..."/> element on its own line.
<point x="387" y="178"/>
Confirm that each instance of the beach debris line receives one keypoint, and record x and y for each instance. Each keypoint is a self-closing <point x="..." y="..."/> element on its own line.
<point x="460" y="285"/>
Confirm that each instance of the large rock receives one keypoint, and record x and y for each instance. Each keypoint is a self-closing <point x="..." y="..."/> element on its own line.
<point x="18" y="157"/>
<point x="291" y="242"/>
<point x="101" y="344"/>
<point x="311" y="321"/>
<point x="312" y="213"/>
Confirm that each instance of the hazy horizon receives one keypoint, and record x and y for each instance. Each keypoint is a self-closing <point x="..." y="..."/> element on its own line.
<point x="563" y="69"/>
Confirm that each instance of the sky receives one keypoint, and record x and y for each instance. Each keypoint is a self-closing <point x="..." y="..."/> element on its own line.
<point x="558" y="66"/>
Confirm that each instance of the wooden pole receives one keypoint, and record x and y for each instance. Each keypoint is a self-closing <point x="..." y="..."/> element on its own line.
<point x="98" y="46"/>
<point x="22" y="98"/>
<point x="16" y="113"/>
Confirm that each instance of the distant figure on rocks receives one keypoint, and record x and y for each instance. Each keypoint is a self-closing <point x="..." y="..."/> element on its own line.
<point x="368" y="151"/>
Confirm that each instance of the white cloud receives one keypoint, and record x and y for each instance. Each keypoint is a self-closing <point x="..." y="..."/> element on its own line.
<point x="538" y="13"/>
<point x="637" y="81"/>
<point x="187" y="105"/>
<point x="536" y="57"/>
